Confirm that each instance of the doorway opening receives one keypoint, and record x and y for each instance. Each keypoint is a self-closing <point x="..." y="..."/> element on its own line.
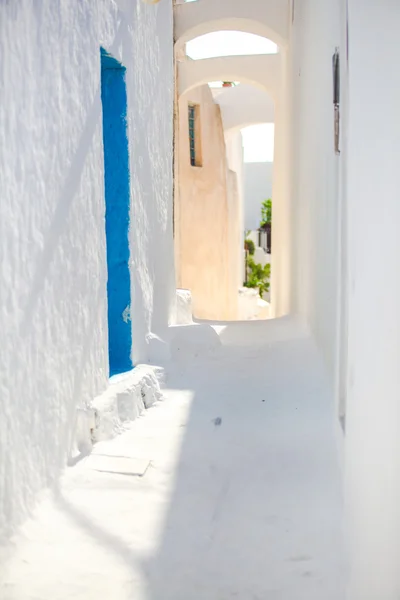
<point x="117" y="202"/>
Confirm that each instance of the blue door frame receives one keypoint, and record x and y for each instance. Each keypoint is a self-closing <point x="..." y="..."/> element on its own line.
<point x="117" y="201"/>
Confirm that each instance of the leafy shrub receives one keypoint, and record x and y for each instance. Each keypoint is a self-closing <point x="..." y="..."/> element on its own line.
<point x="250" y="247"/>
<point x="258" y="276"/>
<point x="266" y="213"/>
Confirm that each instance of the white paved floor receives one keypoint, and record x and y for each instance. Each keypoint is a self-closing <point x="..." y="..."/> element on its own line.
<point x="241" y="499"/>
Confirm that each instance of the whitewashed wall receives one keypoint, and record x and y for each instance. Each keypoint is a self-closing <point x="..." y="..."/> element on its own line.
<point x="244" y="105"/>
<point x="258" y="187"/>
<point x="373" y="406"/>
<point x="314" y="177"/>
<point x="53" y="322"/>
<point x="234" y="155"/>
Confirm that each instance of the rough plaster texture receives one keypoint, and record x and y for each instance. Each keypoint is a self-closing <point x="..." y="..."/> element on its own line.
<point x="241" y="498"/>
<point x="207" y="217"/>
<point x="125" y="399"/>
<point x="53" y="313"/>
<point x="184" y="310"/>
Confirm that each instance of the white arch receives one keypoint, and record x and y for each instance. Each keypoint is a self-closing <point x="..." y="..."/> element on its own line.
<point x="244" y="105"/>
<point x="262" y="70"/>
<point x="268" y="18"/>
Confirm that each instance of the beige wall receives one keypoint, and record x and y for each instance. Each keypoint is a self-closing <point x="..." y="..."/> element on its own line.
<point x="234" y="152"/>
<point x="207" y="214"/>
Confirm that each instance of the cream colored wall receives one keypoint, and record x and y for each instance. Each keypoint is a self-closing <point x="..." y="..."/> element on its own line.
<point x="235" y="243"/>
<point x="260" y="70"/>
<point x="234" y="154"/>
<point x="268" y="18"/>
<point x="207" y="214"/>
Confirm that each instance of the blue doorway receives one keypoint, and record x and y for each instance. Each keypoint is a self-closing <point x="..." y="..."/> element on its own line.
<point x="117" y="201"/>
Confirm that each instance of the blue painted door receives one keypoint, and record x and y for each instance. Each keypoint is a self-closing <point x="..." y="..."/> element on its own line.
<point x="117" y="201"/>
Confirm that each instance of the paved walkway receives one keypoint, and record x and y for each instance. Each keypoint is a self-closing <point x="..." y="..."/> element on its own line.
<point x="237" y="494"/>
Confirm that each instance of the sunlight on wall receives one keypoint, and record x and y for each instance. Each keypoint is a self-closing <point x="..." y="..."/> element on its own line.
<point x="258" y="143"/>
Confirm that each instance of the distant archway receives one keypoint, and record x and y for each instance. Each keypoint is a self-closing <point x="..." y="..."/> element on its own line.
<point x="262" y="71"/>
<point x="267" y="18"/>
<point x="245" y="105"/>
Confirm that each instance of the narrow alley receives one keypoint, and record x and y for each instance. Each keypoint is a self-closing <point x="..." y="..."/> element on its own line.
<point x="199" y="300"/>
<point x="234" y="490"/>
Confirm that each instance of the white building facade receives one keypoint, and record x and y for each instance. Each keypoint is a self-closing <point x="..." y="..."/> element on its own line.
<point x="60" y="246"/>
<point x="83" y="90"/>
<point x="326" y="205"/>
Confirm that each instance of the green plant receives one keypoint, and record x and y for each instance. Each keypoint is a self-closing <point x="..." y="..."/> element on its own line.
<point x="266" y="212"/>
<point x="258" y="276"/>
<point x="249" y="246"/>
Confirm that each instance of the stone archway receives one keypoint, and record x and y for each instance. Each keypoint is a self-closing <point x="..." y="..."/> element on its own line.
<point x="267" y="18"/>
<point x="262" y="71"/>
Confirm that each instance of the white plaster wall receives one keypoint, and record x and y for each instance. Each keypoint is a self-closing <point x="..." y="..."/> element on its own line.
<point x="234" y="151"/>
<point x="244" y="105"/>
<point x="251" y="306"/>
<point x="53" y="355"/>
<point x="281" y="283"/>
<point x="261" y="257"/>
<point x="260" y="70"/>
<point x="314" y="211"/>
<point x="234" y="154"/>
<point x="258" y="187"/>
<point x="373" y="409"/>
<point x="343" y="270"/>
<point x="268" y="18"/>
<point x="184" y="311"/>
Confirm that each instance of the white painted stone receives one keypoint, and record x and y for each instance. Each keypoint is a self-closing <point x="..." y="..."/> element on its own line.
<point x="191" y="341"/>
<point x="242" y="498"/>
<point x="251" y="306"/>
<point x="120" y="465"/>
<point x="125" y="399"/>
<point x="53" y="312"/>
<point x="184" y="313"/>
<point x="158" y="349"/>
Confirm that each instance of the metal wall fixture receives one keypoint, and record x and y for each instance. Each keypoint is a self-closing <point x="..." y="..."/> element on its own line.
<point x="336" y="97"/>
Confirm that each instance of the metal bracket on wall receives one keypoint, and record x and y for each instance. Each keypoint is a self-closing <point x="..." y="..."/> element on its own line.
<point x="336" y="97"/>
